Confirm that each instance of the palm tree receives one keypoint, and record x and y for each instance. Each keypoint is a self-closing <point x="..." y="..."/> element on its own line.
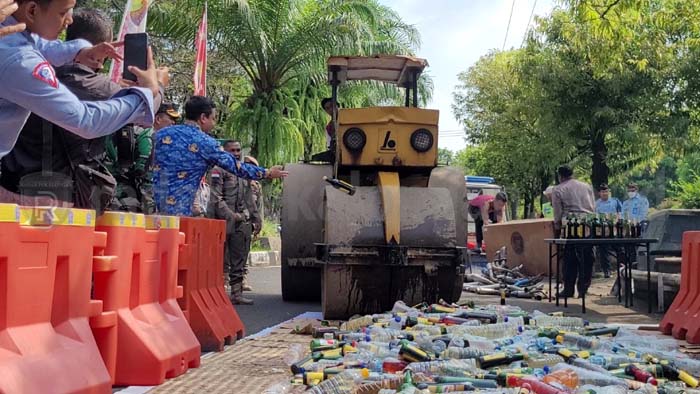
<point x="281" y="47"/>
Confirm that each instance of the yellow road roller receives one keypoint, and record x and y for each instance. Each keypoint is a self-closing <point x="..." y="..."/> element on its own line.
<point x="379" y="221"/>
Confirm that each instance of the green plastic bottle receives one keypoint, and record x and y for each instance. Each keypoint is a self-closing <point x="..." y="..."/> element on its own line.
<point x="407" y="387"/>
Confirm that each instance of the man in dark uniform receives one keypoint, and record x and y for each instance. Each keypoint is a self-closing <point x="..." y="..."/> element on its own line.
<point x="232" y="200"/>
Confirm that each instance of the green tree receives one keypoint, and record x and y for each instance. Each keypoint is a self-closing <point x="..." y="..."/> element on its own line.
<point x="494" y="102"/>
<point x="281" y="48"/>
<point x="445" y="156"/>
<point x="610" y="82"/>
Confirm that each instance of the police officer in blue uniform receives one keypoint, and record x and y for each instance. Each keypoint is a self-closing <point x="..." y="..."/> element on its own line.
<point x="29" y="82"/>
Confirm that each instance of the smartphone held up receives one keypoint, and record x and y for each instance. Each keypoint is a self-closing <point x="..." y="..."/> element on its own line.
<point x="135" y="54"/>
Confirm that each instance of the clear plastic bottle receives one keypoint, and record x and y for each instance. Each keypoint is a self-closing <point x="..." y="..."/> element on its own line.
<point x="544" y="360"/>
<point x="342" y="383"/>
<point x="401" y="307"/>
<point x="431" y="330"/>
<point x="445" y="367"/>
<point x="580" y="341"/>
<point x="320" y="365"/>
<point x="489" y="331"/>
<point x="378" y="334"/>
<point x="353" y="336"/>
<point x="379" y="349"/>
<point x="295" y="353"/>
<point x="479" y="343"/>
<point x="461" y="353"/>
<point x="559" y="321"/>
<point x="397" y="323"/>
<point x="541" y="343"/>
<point x="585" y="364"/>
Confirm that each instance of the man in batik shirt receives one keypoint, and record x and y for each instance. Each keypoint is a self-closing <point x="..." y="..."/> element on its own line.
<point x="184" y="153"/>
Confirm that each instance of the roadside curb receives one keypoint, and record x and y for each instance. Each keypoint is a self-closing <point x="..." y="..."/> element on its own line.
<point x="264" y="259"/>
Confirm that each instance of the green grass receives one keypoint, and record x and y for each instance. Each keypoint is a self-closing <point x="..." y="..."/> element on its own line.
<point x="269" y="230"/>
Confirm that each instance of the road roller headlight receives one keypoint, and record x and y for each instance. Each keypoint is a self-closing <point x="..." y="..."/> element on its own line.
<point x="354" y="139"/>
<point x="422" y="140"/>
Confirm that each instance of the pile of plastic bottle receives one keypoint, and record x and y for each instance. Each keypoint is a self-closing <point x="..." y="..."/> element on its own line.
<point x="497" y="349"/>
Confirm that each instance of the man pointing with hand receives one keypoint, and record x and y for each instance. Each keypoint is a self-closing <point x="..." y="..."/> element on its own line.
<point x="29" y="82"/>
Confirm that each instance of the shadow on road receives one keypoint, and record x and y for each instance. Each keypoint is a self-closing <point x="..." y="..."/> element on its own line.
<point x="269" y="308"/>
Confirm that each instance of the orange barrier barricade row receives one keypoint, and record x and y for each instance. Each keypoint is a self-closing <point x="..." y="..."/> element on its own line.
<point x="153" y="341"/>
<point x="46" y="345"/>
<point x="682" y="318"/>
<point x="205" y="302"/>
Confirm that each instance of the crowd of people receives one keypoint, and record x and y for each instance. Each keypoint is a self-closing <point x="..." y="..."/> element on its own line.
<point x="72" y="137"/>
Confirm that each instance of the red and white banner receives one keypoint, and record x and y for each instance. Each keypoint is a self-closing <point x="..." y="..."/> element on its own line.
<point x="134" y="21"/>
<point x="200" y="66"/>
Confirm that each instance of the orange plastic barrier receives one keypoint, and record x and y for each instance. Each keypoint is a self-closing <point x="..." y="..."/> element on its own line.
<point x="46" y="345"/>
<point x="682" y="318"/>
<point x="205" y="303"/>
<point x="154" y="341"/>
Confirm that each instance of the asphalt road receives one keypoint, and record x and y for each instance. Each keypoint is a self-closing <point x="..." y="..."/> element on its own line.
<point x="269" y="308"/>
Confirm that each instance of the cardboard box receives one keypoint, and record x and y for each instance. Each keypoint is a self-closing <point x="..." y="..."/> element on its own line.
<point x="524" y="242"/>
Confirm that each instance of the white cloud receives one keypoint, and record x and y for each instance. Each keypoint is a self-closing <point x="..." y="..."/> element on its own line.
<point x="455" y="34"/>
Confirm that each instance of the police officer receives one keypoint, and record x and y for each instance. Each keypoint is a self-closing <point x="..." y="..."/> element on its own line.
<point x="29" y="82"/>
<point x="636" y="207"/>
<point x="45" y="158"/>
<point x="129" y="158"/>
<point x="232" y="199"/>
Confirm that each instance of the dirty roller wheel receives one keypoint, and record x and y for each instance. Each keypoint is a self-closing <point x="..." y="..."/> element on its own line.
<point x="302" y="226"/>
<point x="359" y="283"/>
<point x="452" y="179"/>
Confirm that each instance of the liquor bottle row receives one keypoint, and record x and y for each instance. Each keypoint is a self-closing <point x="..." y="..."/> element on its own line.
<point x="600" y="226"/>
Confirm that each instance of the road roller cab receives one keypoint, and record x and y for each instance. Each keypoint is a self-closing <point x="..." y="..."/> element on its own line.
<point x="388" y="224"/>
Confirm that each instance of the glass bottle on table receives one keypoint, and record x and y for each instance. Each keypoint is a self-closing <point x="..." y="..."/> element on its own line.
<point x="595" y="227"/>
<point x="619" y="228"/>
<point x="603" y="219"/>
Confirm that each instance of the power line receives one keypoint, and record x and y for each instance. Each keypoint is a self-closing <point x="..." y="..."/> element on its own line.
<point x="528" y="23"/>
<point x="510" y="18"/>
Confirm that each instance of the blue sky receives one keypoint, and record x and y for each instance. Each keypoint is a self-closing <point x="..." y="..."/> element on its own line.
<point x="455" y="34"/>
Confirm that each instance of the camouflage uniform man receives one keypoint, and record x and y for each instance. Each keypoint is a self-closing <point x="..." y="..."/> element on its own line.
<point x="128" y="159"/>
<point x="232" y="200"/>
<point x="256" y="188"/>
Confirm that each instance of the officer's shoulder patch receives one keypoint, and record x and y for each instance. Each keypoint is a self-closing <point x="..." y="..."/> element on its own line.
<point x="45" y="73"/>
